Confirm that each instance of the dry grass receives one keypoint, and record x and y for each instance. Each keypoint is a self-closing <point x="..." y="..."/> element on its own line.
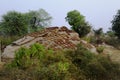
<point x="113" y="53"/>
<point x="1" y="65"/>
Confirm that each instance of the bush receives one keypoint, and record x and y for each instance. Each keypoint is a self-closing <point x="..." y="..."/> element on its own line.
<point x="38" y="63"/>
<point x="100" y="49"/>
<point x="42" y="64"/>
<point x="94" y="67"/>
<point x="113" y="41"/>
<point x="94" y="70"/>
<point x="88" y="39"/>
<point x="25" y="58"/>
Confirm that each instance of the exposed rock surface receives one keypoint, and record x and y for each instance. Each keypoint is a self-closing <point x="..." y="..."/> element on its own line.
<point x="52" y="37"/>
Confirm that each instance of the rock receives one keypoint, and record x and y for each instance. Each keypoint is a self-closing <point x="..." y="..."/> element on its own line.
<point x="52" y="37"/>
<point x="23" y="40"/>
<point x="9" y="51"/>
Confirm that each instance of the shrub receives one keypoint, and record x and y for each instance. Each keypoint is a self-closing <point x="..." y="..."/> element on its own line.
<point x="100" y="49"/>
<point x="25" y="58"/>
<point x="113" y="41"/>
<point x="93" y="67"/>
<point x="38" y="63"/>
<point x="94" y="70"/>
<point x="88" y="39"/>
<point x="41" y="64"/>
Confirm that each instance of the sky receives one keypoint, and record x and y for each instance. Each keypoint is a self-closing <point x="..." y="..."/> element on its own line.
<point x="99" y="13"/>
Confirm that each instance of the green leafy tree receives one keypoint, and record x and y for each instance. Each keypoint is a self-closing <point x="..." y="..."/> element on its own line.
<point x="78" y="23"/>
<point x="13" y="23"/>
<point x="38" y="19"/>
<point x="116" y="24"/>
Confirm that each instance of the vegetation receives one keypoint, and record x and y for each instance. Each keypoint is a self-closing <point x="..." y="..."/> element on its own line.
<point x="4" y="41"/>
<point x="116" y="24"/>
<point x="16" y="24"/>
<point x="41" y="64"/>
<point x="98" y="36"/>
<point x="111" y="39"/>
<point x="78" y="23"/>
<point x="13" y="23"/>
<point x="98" y="32"/>
<point x="38" y="63"/>
<point x="37" y="20"/>
<point x="94" y="67"/>
<point x="100" y="49"/>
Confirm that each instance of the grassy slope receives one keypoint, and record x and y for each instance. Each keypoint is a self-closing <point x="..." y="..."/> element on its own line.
<point x="113" y="53"/>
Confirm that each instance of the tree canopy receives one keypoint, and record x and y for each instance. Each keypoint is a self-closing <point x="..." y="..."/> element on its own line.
<point x="38" y="19"/>
<point x="16" y="23"/>
<point x="13" y="23"/>
<point x="78" y="23"/>
<point x="116" y="24"/>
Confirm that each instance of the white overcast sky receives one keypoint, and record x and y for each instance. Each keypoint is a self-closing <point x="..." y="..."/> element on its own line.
<point x="99" y="13"/>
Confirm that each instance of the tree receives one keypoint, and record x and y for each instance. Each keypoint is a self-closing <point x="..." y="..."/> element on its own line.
<point x="98" y="32"/>
<point x="116" y="24"/>
<point x="78" y="23"/>
<point x="13" y="23"/>
<point x="16" y="23"/>
<point x="38" y="19"/>
<point x="98" y="35"/>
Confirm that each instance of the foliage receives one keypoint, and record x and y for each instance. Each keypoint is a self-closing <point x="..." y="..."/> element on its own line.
<point x="116" y="24"/>
<point x="94" y="67"/>
<point x="44" y="64"/>
<point x="98" y="32"/>
<point x="24" y="57"/>
<point x="38" y="63"/>
<point x="89" y="39"/>
<point x="110" y="34"/>
<point x="13" y="23"/>
<point x="16" y="24"/>
<point x="112" y="40"/>
<point x="37" y="19"/>
<point x="6" y="40"/>
<point x="100" y="49"/>
<point x="78" y="23"/>
<point x="99" y="35"/>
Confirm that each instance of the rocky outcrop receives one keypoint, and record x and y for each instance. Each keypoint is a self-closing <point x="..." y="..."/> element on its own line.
<point x="52" y="37"/>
